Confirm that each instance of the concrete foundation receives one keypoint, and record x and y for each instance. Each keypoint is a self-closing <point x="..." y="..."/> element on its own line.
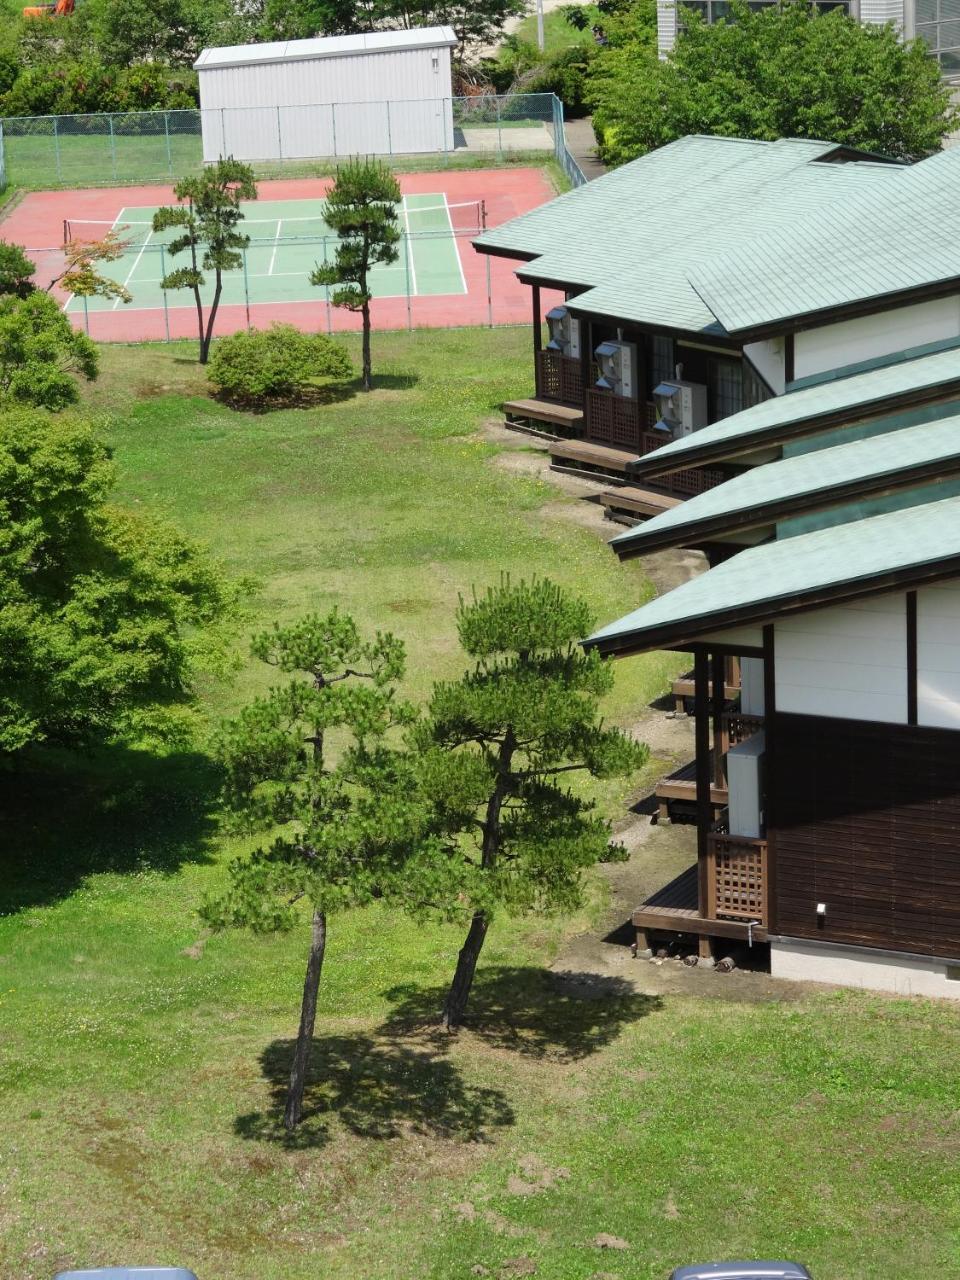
<point x="906" y="975"/>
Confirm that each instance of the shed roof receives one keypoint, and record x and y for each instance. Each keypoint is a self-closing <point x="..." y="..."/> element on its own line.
<point x="246" y="55"/>
<point x="879" y="240"/>
<point x="632" y="237"/>
<point x="910" y="456"/>
<point x="843" y="562"/>
<point x="861" y="395"/>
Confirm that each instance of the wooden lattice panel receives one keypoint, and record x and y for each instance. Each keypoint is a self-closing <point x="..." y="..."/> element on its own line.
<point x="739" y="878"/>
<point x="614" y="420"/>
<point x="561" y="378"/>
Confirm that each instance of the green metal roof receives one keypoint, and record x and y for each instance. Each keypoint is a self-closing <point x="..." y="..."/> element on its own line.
<point x="764" y="422"/>
<point x="864" y="465"/>
<point x="766" y="581"/>
<point x="633" y="236"/>
<point x="881" y="239"/>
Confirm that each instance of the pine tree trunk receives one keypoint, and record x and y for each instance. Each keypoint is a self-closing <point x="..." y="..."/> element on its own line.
<point x="207" y="338"/>
<point x="367" y="382"/>
<point x="200" y="325"/>
<point x="455" y="1005"/>
<point x="308" y="1017"/>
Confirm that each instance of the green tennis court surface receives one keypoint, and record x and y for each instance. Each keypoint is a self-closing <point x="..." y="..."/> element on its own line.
<point x="287" y="239"/>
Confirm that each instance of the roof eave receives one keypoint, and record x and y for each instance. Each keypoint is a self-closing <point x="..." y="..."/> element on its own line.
<point x="673" y="635"/>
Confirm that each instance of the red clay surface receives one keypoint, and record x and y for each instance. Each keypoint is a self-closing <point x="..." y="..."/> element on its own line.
<point x="37" y="224"/>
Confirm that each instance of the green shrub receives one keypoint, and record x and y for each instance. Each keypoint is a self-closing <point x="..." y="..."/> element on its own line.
<point x="278" y="363"/>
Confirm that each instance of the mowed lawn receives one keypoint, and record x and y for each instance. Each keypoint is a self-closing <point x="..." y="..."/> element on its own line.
<point x="141" y="1061"/>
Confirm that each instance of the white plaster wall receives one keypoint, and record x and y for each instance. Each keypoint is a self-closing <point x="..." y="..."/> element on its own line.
<point x="767" y="359"/>
<point x="858" y="967"/>
<point x="938" y="655"/>
<point x="849" y="661"/>
<point x="751" y="686"/>
<point x="881" y="11"/>
<point x="835" y="346"/>
<point x="747" y="637"/>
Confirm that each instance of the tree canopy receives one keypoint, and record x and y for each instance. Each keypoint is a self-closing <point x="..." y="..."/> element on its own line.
<point x="41" y="354"/>
<point x="784" y="70"/>
<point x="105" y="616"/>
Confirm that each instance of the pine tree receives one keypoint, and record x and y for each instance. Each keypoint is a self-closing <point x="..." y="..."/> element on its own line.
<point x="341" y="825"/>
<point x="494" y="753"/>
<point x="209" y="215"/>
<point x="362" y="208"/>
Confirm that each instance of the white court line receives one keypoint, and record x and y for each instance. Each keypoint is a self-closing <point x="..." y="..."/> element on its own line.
<point x="456" y="247"/>
<point x="136" y="263"/>
<point x="409" y="249"/>
<point x="276" y="245"/>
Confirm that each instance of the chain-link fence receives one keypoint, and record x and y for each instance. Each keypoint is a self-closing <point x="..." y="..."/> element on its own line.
<point x="155" y="146"/>
<point x="3" y="167"/>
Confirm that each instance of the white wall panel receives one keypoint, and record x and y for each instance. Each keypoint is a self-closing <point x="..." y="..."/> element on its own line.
<point x="767" y="359"/>
<point x="849" y="661"/>
<point x="367" y="103"/>
<point x="835" y="346"/>
<point x="938" y="655"/>
<point x="666" y="26"/>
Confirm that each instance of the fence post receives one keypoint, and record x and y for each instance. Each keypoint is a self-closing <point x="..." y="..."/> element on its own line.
<point x="166" y="132"/>
<point x="483" y="226"/>
<point x="246" y="287"/>
<point x="499" y="133"/>
<point x="113" y="147"/>
<point x="406" y="275"/>
<point x="56" y="148"/>
<point x="389" y="132"/>
<point x="326" y="291"/>
<point x="166" y="304"/>
<point x="86" y="314"/>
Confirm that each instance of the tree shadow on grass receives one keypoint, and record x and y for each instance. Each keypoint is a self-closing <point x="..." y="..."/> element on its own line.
<point x="307" y="397"/>
<point x="64" y="816"/>
<point x="541" y="1014"/>
<point x="376" y="1089"/>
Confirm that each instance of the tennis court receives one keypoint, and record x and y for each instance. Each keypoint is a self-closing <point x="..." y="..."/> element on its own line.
<point x="438" y="280"/>
<point x="288" y="238"/>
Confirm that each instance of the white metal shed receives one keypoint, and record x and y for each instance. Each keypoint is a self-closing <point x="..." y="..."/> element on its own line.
<point x="384" y="93"/>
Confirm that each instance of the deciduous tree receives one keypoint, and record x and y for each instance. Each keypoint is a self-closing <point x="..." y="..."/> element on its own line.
<point x="41" y="354"/>
<point x="495" y="754"/>
<point x="361" y="207"/>
<point x="106" y="617"/>
<point x="342" y="814"/>
<point x="784" y="70"/>
<point x="208" y="216"/>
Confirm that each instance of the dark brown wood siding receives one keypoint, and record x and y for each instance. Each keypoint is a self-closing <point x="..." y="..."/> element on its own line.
<point x="867" y="820"/>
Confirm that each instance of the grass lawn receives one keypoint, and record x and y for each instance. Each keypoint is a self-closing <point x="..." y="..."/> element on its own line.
<point x="558" y="33"/>
<point x="140" y="1063"/>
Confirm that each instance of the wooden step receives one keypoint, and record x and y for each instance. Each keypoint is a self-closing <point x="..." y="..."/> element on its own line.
<point x="582" y="456"/>
<point x="629" y="502"/>
<point x="518" y="412"/>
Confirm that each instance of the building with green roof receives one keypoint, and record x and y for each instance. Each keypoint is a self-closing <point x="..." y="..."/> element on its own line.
<point x="771" y="333"/>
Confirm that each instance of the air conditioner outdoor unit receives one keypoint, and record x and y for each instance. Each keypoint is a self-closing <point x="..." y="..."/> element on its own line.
<point x="745" y="787"/>
<point x="564" y="332"/>
<point x="681" y="405"/>
<point x="618" y="368"/>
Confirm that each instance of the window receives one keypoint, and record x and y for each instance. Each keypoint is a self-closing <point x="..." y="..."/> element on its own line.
<point x="755" y="390"/>
<point x="726" y="387"/>
<point x="938" y="23"/>
<point x="662" y="360"/>
<point x="716" y="10"/>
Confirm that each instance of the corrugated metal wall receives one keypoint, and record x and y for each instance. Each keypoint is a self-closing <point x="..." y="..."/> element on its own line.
<point x="371" y="104"/>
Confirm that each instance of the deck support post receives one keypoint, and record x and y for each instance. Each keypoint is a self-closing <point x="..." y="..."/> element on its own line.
<point x="704" y="947"/>
<point x="718" y="676"/>
<point x="537" y="336"/>
<point x="701" y="704"/>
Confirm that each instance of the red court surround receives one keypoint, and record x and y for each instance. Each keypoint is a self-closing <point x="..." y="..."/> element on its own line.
<point x="37" y="223"/>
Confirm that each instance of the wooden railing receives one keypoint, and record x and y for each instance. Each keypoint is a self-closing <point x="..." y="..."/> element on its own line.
<point x="560" y="378"/>
<point x="737" y="886"/>
<point x="736" y="727"/>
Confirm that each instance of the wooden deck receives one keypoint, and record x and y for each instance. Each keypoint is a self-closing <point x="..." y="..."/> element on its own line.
<point x="582" y="457"/>
<point x="543" y="414"/>
<point x="629" y="505"/>
<point x="680" y="789"/>
<point x="674" y="909"/>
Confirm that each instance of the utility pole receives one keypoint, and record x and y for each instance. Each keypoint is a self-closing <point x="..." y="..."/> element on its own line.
<point x="540" y="25"/>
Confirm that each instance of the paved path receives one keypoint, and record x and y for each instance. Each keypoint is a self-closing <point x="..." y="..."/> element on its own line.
<point x="582" y="145"/>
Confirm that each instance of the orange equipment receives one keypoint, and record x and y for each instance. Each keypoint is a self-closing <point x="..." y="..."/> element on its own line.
<point x="62" y="9"/>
